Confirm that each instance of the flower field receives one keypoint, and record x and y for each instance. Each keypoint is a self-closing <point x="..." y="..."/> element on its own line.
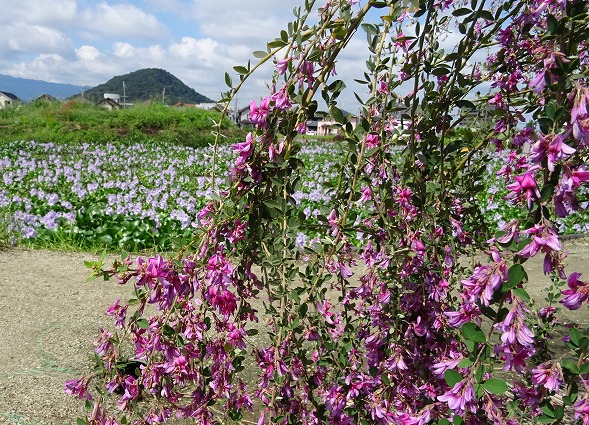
<point x="131" y="195"/>
<point x="136" y="196"/>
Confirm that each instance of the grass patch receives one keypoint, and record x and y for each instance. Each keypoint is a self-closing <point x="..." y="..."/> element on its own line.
<point x="79" y="121"/>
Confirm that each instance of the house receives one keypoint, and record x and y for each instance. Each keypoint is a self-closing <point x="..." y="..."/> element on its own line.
<point x="242" y="118"/>
<point x="8" y="99"/>
<point x="47" y="98"/>
<point x="109" y="104"/>
<point x="325" y="125"/>
<point x="208" y="106"/>
<point x="479" y="118"/>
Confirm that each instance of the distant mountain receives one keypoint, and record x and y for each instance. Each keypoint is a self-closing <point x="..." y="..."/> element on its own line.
<point x="28" y="90"/>
<point x="147" y="84"/>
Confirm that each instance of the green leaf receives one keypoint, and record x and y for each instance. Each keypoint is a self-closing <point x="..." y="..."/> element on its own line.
<point x="464" y="363"/>
<point x="228" y="80"/>
<point x="480" y="373"/>
<point x="276" y="44"/>
<point x="240" y="69"/>
<point x="80" y="421"/>
<point x="337" y="115"/>
<point x="516" y="274"/>
<point x="495" y="386"/>
<point x="439" y="71"/>
<point x="452" y="377"/>
<point x="473" y="333"/>
<point x="521" y="293"/>
<point x="143" y="323"/>
<point x="575" y="336"/>
<point x="571" y="366"/>
<point x="485" y="14"/>
<point x="106" y="239"/>
<point x="260" y="54"/>
<point x="467" y="104"/>
<point x="547" y="409"/>
<point x="584" y="369"/>
<point x="462" y="11"/>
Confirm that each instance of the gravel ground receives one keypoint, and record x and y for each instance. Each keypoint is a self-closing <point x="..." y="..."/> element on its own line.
<point x="49" y="318"/>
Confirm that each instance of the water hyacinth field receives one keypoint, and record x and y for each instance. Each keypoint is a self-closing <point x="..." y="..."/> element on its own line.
<point x="140" y="196"/>
<point x="129" y="195"/>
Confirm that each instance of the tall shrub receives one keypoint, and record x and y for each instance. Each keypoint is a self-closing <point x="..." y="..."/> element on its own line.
<point x="378" y="320"/>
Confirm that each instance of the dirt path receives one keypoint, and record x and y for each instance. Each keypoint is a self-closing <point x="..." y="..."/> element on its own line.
<point x="49" y="317"/>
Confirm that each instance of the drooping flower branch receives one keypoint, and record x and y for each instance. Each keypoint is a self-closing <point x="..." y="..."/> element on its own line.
<point x="377" y="319"/>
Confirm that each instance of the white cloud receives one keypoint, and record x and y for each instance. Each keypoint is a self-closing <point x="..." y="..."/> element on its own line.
<point x="199" y="63"/>
<point x="87" y="53"/>
<point x="86" y="42"/>
<point x="253" y="22"/>
<point x="38" y="12"/>
<point x="123" y="50"/>
<point x="120" y="20"/>
<point x="22" y="37"/>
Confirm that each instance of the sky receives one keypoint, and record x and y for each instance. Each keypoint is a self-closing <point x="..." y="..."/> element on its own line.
<point x="86" y="43"/>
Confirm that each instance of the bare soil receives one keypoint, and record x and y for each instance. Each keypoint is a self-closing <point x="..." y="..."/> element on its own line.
<point x="49" y="318"/>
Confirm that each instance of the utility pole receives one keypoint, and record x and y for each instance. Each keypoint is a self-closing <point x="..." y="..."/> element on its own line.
<point x="124" y="96"/>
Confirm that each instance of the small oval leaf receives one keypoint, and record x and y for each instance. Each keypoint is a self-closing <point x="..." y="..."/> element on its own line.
<point x="452" y="377"/>
<point x="495" y="386"/>
<point x="473" y="333"/>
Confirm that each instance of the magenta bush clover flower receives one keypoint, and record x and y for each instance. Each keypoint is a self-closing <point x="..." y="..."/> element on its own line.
<point x="524" y="188"/>
<point x="551" y="148"/>
<point x="543" y="239"/>
<point x="460" y="397"/>
<point x="549" y="375"/>
<point x="258" y="114"/>
<point x="79" y="388"/>
<point x="577" y="293"/>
